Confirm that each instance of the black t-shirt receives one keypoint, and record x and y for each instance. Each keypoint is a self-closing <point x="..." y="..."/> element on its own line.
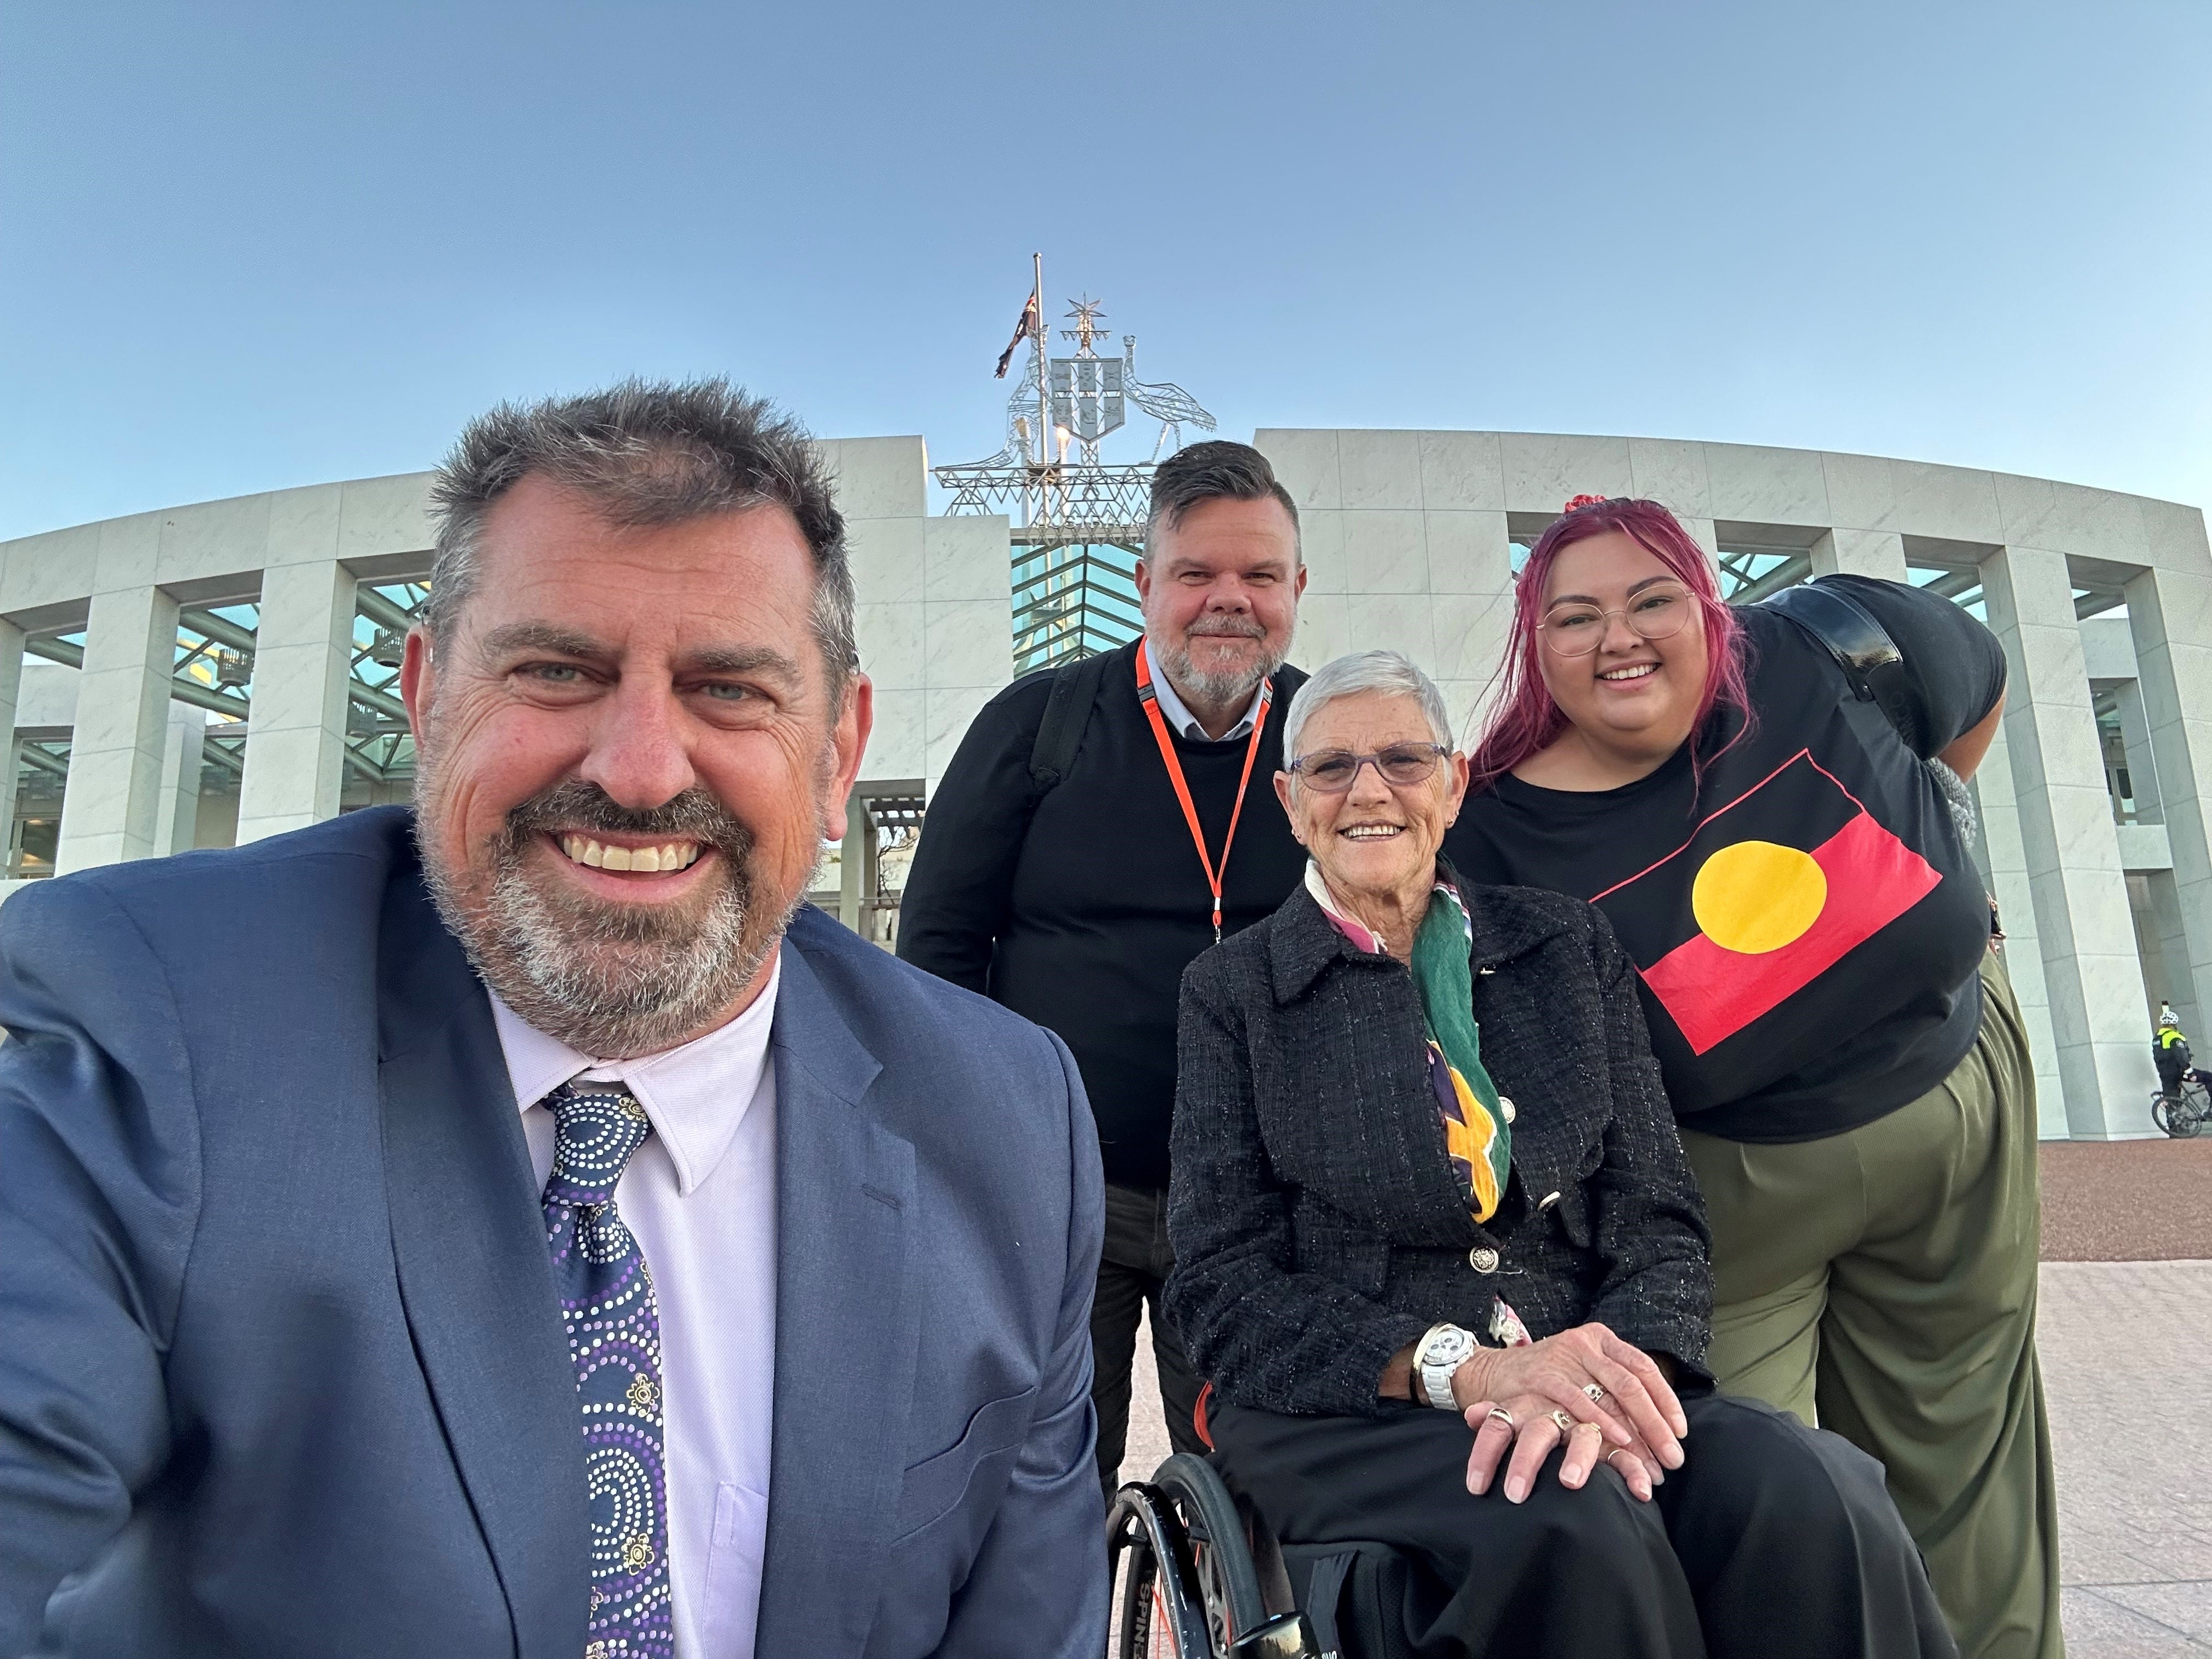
<point x="1805" y="917"/>
<point x="1080" y="910"/>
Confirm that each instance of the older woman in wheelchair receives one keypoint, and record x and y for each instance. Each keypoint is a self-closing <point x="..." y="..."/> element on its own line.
<point x="1439" y="1251"/>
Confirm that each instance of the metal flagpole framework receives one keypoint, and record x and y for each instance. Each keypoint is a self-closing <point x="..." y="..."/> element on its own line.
<point x="1078" y="521"/>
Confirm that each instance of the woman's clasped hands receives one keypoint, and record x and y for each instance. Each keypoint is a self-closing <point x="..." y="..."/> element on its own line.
<point x="1599" y="1395"/>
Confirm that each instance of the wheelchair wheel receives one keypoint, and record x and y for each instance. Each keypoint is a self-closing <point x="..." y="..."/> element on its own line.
<point x="1159" y="1610"/>
<point x="1185" y="1584"/>
<point x="1221" y="1547"/>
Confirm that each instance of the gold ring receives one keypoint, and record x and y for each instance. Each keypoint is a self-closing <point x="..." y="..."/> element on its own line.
<point x="1502" y="1415"/>
<point x="1562" y="1421"/>
<point x="1595" y="1391"/>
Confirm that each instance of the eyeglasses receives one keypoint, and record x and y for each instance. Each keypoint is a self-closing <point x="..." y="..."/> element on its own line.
<point x="1332" y="771"/>
<point x="1656" y="613"/>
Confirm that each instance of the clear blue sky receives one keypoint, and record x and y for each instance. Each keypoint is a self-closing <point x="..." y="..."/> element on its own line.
<point x="248" y="247"/>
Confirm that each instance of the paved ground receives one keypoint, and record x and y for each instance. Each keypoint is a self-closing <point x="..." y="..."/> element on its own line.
<point x="2124" y="1353"/>
<point x="2127" y="1355"/>
<point x="2127" y="1201"/>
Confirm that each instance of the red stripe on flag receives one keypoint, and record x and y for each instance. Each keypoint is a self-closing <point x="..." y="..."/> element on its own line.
<point x="1713" y="993"/>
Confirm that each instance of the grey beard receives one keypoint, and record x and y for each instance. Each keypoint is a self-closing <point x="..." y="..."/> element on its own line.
<point x="610" y="980"/>
<point x="1216" y="687"/>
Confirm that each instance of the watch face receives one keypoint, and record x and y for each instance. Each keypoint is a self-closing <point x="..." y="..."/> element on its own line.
<point x="1445" y="1346"/>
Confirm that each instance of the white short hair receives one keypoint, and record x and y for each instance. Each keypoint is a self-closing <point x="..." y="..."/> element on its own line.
<point x="1390" y="672"/>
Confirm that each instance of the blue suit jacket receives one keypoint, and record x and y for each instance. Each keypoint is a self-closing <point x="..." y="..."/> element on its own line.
<point x="282" y="1368"/>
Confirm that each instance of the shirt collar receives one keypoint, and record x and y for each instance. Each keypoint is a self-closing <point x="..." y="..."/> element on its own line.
<point x="695" y="1094"/>
<point x="1357" y="931"/>
<point x="1183" y="720"/>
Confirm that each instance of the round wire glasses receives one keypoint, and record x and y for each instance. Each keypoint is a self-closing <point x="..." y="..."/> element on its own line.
<point x="1577" y="629"/>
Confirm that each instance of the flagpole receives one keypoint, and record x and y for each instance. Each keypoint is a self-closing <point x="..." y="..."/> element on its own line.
<point x="1044" y="399"/>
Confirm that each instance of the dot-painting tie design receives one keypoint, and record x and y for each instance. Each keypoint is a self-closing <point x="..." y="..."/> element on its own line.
<point x="613" y="1341"/>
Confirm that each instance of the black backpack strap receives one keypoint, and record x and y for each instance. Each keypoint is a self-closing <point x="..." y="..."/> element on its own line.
<point x="1066" y="716"/>
<point x="1861" y="645"/>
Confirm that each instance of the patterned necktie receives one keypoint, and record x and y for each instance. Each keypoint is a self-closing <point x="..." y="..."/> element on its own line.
<point x="613" y="1341"/>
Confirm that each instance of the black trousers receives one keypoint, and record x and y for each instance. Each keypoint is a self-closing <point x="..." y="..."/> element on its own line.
<point x="1131" y="1271"/>
<point x="1772" y="1539"/>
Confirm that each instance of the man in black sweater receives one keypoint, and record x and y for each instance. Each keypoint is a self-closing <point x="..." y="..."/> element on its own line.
<point x="1078" y="903"/>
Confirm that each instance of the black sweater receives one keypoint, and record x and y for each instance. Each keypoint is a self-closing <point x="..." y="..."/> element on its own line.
<point x="1082" y="910"/>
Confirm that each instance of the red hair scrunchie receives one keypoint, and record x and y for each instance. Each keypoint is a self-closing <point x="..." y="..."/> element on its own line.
<point x="1581" y="501"/>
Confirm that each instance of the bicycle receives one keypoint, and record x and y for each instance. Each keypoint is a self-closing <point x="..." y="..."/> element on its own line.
<point x="2183" y="1116"/>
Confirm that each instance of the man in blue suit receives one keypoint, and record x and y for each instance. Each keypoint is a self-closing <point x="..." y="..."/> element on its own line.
<point x="520" y="1227"/>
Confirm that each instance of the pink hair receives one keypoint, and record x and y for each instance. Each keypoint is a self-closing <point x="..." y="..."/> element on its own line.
<point x="1525" y="719"/>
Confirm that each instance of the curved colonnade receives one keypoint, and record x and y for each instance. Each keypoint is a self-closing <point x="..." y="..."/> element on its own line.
<point x="217" y="672"/>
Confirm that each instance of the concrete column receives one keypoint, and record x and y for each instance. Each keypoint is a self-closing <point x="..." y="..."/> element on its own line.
<point x="2166" y="613"/>
<point x="110" y="810"/>
<point x="2003" y="853"/>
<point x="1702" y="533"/>
<point x="2171" y="937"/>
<point x="11" y="683"/>
<point x="1860" y="553"/>
<point x="851" y="864"/>
<point x="177" y="822"/>
<point x="295" y="736"/>
<point x="2142" y="760"/>
<point x="2086" y="929"/>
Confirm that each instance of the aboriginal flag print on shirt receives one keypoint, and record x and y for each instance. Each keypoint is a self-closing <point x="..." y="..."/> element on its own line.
<point x="1770" y="892"/>
<point x="1805" y="917"/>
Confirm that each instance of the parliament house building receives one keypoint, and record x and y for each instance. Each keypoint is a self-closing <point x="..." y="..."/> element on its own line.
<point x="209" y="674"/>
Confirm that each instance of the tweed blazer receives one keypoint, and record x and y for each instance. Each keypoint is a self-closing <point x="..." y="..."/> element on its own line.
<point x="1317" y="1226"/>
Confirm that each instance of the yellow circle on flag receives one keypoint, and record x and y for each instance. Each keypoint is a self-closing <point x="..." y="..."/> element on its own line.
<point x="1757" y="897"/>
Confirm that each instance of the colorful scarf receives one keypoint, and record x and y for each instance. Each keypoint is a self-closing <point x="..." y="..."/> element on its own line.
<point x="1476" y="1138"/>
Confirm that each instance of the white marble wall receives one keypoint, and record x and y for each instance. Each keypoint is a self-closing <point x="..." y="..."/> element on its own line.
<point x="2090" y="966"/>
<point x="177" y="812"/>
<point x="302" y="660"/>
<point x="111" y="807"/>
<point x="2170" y="612"/>
<point x="1861" y="553"/>
<point x="2004" y="852"/>
<point x="935" y="606"/>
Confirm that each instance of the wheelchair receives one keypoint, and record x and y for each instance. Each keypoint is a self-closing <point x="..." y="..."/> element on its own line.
<point x="1197" y="1575"/>
<point x="1186" y="1560"/>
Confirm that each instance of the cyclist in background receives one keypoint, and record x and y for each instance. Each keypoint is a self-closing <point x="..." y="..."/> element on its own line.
<point x="2169" y="1052"/>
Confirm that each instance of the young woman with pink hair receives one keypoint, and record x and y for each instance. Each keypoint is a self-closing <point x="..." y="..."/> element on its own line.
<point x="1787" y="863"/>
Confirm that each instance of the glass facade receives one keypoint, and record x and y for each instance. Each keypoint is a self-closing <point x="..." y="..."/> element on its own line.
<point x="1073" y="601"/>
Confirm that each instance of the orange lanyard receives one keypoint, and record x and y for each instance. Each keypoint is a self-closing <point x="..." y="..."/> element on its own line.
<point x="1214" y="873"/>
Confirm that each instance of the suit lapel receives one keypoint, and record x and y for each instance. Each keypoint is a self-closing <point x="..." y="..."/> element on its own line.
<point x="468" y="1239"/>
<point x="846" y="1326"/>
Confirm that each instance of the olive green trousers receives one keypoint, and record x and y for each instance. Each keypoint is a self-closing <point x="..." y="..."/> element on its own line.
<point x="1881" y="1283"/>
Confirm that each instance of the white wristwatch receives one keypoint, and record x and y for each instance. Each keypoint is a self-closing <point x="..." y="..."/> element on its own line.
<point x="1442" y="1350"/>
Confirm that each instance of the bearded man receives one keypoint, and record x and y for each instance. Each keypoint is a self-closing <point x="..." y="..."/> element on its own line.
<point x="1099" y="827"/>
<point x="519" y="1227"/>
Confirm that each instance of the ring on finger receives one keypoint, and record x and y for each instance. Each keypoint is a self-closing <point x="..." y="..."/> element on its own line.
<point x="1595" y="1391"/>
<point x="1561" y="1421"/>
<point x="1500" y="1414"/>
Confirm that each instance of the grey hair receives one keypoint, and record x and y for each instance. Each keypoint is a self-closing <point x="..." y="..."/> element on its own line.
<point x="1390" y="672"/>
<point x="1214" y="470"/>
<point x="647" y="454"/>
